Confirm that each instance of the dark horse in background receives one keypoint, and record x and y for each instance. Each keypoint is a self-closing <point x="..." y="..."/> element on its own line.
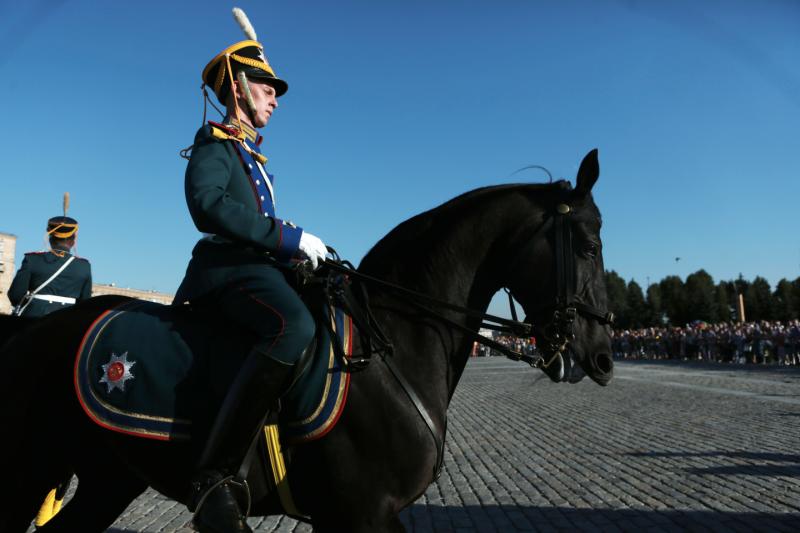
<point x="381" y="456"/>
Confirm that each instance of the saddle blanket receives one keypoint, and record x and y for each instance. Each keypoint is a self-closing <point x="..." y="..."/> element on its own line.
<point x="161" y="372"/>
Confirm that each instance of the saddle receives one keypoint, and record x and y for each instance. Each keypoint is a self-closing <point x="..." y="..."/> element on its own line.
<point x="158" y="372"/>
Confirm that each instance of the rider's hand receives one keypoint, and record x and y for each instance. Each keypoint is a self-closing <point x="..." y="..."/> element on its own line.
<point x="312" y="248"/>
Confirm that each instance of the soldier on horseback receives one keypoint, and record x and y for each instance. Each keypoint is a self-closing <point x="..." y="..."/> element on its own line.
<point x="231" y="199"/>
<point x="55" y="279"/>
<point x="46" y="282"/>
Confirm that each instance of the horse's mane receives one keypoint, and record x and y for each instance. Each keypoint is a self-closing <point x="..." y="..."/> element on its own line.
<point x="413" y="233"/>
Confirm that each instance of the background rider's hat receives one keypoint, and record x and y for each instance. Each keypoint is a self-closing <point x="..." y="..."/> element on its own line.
<point x="247" y="56"/>
<point x="62" y="227"/>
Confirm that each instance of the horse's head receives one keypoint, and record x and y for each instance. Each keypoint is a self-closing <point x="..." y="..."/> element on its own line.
<point x="558" y="278"/>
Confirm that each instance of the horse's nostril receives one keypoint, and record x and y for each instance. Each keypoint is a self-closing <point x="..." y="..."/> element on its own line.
<point x="604" y="363"/>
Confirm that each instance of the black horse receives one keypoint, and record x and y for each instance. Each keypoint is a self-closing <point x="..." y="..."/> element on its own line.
<point x="381" y="455"/>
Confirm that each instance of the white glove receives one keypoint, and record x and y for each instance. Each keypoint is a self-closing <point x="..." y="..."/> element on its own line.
<point x="312" y="248"/>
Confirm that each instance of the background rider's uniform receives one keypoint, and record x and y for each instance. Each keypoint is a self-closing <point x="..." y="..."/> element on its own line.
<point x="72" y="285"/>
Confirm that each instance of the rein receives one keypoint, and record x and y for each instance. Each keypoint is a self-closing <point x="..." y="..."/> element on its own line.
<point x="357" y="306"/>
<point x="557" y="333"/>
<point x="354" y="300"/>
<point x="426" y="303"/>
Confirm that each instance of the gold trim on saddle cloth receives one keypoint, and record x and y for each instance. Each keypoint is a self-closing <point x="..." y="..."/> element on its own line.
<point x="111" y="407"/>
<point x="276" y="461"/>
<point x="331" y="357"/>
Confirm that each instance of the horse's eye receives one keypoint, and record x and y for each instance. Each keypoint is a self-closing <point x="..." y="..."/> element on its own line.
<point x="590" y="249"/>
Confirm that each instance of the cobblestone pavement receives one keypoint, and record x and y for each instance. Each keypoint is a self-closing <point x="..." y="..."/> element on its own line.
<point x="667" y="446"/>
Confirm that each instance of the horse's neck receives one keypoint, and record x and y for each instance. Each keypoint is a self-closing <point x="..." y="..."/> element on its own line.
<point x="458" y="259"/>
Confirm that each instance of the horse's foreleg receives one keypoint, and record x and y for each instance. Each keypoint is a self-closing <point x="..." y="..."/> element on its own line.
<point x="97" y="503"/>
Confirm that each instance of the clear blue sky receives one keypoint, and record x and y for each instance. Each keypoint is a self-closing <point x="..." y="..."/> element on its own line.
<point x="397" y="106"/>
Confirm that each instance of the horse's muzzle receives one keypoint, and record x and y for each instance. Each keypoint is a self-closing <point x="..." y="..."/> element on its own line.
<point x="601" y="368"/>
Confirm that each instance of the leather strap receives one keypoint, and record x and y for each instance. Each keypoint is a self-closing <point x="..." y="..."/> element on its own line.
<point x="520" y="327"/>
<point x="426" y="417"/>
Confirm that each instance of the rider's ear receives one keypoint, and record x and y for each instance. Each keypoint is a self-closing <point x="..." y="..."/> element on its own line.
<point x="587" y="174"/>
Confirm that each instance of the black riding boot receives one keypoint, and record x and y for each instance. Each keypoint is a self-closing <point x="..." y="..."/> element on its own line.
<point x="217" y="499"/>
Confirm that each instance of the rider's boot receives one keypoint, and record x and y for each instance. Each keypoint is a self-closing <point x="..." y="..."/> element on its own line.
<point x="219" y="500"/>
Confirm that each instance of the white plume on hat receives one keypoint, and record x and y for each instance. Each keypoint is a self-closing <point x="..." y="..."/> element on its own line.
<point x="244" y="23"/>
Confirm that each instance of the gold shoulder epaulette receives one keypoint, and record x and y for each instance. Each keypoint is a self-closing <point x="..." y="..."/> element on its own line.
<point x="224" y="133"/>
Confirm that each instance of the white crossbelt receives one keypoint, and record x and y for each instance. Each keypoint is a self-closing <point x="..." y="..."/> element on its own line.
<point x="52" y="298"/>
<point x="29" y="297"/>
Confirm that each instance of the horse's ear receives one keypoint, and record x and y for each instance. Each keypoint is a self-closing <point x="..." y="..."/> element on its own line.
<point x="588" y="173"/>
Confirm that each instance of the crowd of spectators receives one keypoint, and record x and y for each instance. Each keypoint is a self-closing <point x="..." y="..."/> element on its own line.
<point x="750" y="342"/>
<point x="526" y="346"/>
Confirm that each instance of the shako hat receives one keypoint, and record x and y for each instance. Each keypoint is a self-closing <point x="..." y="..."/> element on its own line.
<point x="62" y="227"/>
<point x="245" y="56"/>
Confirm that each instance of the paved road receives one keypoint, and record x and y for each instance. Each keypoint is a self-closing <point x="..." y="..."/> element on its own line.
<point x="666" y="447"/>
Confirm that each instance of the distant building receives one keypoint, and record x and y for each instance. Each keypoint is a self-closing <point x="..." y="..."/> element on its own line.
<point x="8" y="246"/>
<point x="150" y="296"/>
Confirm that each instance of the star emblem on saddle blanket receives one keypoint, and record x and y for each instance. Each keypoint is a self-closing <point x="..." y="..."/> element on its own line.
<point x="117" y="371"/>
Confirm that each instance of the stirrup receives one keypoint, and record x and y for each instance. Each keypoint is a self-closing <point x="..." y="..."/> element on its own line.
<point x="204" y="492"/>
<point x="355" y="364"/>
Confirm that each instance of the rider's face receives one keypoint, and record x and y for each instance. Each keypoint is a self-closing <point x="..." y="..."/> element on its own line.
<point x="264" y="98"/>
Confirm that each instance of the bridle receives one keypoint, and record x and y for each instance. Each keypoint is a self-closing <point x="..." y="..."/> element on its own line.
<point x="558" y="332"/>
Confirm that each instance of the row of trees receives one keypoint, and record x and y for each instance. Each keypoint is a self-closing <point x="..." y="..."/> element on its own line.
<point x="677" y="302"/>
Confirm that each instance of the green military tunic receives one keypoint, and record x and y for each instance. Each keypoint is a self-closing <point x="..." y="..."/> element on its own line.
<point x="37" y="267"/>
<point x="230" y="201"/>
